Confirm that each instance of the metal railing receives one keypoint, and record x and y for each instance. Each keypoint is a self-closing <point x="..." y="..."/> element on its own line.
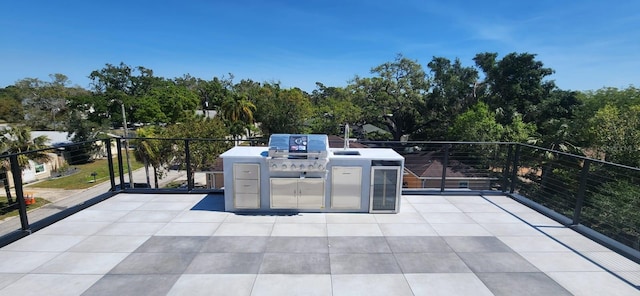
<point x="598" y="199"/>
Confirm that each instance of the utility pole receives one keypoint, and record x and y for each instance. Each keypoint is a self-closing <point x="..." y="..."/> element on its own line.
<point x="126" y="147"/>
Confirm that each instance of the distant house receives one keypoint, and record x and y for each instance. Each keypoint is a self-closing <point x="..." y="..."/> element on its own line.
<point x="424" y="169"/>
<point x="41" y="170"/>
<point x="55" y="139"/>
<point x="215" y="175"/>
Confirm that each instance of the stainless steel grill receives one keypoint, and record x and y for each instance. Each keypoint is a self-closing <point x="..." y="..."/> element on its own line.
<point x="298" y="153"/>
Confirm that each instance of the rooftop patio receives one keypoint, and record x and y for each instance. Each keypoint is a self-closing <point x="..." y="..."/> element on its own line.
<point x="185" y="244"/>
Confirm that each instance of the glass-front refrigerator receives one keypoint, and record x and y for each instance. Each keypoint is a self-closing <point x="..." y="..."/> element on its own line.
<point x="385" y="189"/>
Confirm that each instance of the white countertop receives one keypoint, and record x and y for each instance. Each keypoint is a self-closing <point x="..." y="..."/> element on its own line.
<point x="366" y="153"/>
<point x="244" y="151"/>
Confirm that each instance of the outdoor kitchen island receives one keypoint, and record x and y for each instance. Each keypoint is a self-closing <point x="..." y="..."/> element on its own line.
<point x="300" y="173"/>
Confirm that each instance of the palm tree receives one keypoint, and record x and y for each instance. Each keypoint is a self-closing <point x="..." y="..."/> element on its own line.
<point x="237" y="111"/>
<point x="17" y="139"/>
<point x="149" y="152"/>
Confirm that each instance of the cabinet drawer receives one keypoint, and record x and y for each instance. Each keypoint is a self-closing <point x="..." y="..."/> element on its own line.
<point x="246" y="171"/>
<point x="247" y="201"/>
<point x="246" y="186"/>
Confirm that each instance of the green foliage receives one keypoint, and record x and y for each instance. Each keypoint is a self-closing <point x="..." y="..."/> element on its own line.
<point x="237" y="112"/>
<point x="45" y="103"/>
<point x="151" y="151"/>
<point x="281" y="111"/>
<point x="616" y="134"/>
<point x="10" y="110"/>
<point x="176" y="103"/>
<point x="513" y="85"/>
<point x="613" y="211"/>
<point x="333" y="107"/>
<point x="203" y="153"/>
<point x="518" y="130"/>
<point x="147" y="99"/>
<point x="393" y="97"/>
<point x="478" y="124"/>
<point x="17" y="139"/>
<point x="452" y="92"/>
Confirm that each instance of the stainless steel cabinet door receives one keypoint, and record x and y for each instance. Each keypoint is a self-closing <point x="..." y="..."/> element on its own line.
<point x="284" y="193"/>
<point x="346" y="187"/>
<point x="311" y="193"/>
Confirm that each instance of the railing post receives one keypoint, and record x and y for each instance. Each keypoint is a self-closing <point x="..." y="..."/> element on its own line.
<point x="505" y="171"/>
<point x="120" y="167"/>
<point x="514" y="174"/>
<point x="112" y="178"/>
<point x="445" y="164"/>
<point x="16" y="171"/>
<point x="188" y="163"/>
<point x="581" y="191"/>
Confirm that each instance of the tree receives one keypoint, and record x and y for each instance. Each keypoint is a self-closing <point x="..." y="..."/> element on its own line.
<point x="176" y="102"/>
<point x="477" y="124"/>
<point x="237" y="113"/>
<point x="452" y="92"/>
<point x="203" y="153"/>
<point x="11" y="110"/>
<point x="616" y="134"/>
<point x="332" y="108"/>
<point x="150" y="152"/>
<point x="392" y="97"/>
<point x="281" y="111"/>
<point x="82" y="132"/>
<point x="45" y="103"/>
<point x="112" y="87"/>
<point x="594" y="101"/>
<point x="17" y="139"/>
<point x="513" y="85"/>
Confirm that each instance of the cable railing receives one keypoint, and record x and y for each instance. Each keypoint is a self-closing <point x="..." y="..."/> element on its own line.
<point x="597" y="198"/>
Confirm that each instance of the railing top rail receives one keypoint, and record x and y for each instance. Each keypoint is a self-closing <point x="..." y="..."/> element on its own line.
<point x="436" y="142"/>
<point x="404" y="143"/>
<point x="580" y="157"/>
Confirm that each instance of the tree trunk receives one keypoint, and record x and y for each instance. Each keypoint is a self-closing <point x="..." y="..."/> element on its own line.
<point x="146" y="170"/>
<point x="545" y="176"/>
<point x="5" y="181"/>
<point x="155" y="176"/>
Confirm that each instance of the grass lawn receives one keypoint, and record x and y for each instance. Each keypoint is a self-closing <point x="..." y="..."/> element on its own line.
<point x="6" y="212"/>
<point x="82" y="178"/>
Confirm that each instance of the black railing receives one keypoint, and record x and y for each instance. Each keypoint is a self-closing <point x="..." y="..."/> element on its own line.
<point x="597" y="198"/>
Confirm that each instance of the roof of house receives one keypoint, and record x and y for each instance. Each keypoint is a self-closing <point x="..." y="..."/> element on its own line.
<point x="370" y="128"/>
<point x="53" y="137"/>
<point x="428" y="164"/>
<point x="338" y="142"/>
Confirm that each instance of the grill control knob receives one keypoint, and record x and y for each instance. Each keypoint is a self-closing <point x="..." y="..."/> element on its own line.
<point x="293" y="167"/>
<point x="284" y="166"/>
<point x="302" y="167"/>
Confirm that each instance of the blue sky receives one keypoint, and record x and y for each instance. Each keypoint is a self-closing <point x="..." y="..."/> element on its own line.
<point x="590" y="44"/>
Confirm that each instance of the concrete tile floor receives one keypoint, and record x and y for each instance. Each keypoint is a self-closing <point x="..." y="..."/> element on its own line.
<point x="136" y="244"/>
